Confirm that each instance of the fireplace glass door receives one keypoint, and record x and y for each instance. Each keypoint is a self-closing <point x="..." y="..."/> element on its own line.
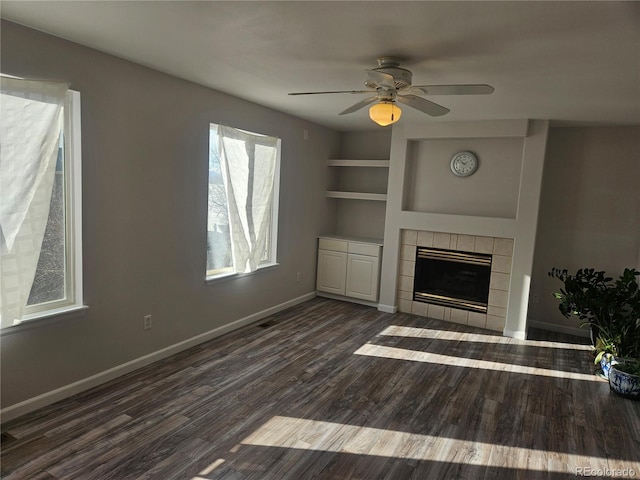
<point x="452" y="278"/>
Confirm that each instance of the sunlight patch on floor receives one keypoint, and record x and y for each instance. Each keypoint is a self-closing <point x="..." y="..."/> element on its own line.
<point x="300" y="433"/>
<point x="426" y="357"/>
<point x="208" y="470"/>
<point x="414" y="332"/>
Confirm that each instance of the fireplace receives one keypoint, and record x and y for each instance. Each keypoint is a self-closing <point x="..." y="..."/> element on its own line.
<point x="500" y="250"/>
<point x="452" y="278"/>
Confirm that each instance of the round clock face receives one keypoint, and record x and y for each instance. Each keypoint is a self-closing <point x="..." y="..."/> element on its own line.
<point x="464" y="164"/>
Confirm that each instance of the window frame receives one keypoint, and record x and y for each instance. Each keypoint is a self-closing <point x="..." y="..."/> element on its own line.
<point x="273" y="237"/>
<point x="72" y="138"/>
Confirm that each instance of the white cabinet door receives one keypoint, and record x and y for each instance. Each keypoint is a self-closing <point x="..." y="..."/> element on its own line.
<point x="362" y="277"/>
<point x="332" y="271"/>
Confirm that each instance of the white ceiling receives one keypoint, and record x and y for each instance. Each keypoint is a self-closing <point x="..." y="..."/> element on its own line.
<point x="570" y="62"/>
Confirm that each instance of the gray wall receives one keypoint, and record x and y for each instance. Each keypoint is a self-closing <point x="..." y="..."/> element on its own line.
<point x="369" y="145"/>
<point x="145" y="147"/>
<point x="589" y="211"/>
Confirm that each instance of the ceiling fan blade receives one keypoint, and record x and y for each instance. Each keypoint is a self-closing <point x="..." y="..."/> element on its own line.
<point x="336" y="91"/>
<point x="423" y="105"/>
<point x="382" y="79"/>
<point x="359" y="105"/>
<point x="462" y="89"/>
<point x="413" y="91"/>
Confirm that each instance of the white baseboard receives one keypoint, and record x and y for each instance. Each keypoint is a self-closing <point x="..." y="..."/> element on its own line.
<point x="346" y="299"/>
<point x="31" y="404"/>
<point x="519" y="334"/>
<point x="578" y="332"/>
<point x="387" y="308"/>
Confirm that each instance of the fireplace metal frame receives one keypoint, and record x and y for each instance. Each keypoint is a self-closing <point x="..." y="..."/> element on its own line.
<point x="458" y="257"/>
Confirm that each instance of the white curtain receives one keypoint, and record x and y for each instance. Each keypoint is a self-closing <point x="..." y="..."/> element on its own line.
<point x="31" y="119"/>
<point x="248" y="164"/>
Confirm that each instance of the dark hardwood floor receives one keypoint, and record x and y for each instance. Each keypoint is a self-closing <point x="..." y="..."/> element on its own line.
<point x="334" y="390"/>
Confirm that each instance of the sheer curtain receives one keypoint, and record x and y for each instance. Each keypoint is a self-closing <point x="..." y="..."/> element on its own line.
<point x="30" y="125"/>
<point x="248" y="164"/>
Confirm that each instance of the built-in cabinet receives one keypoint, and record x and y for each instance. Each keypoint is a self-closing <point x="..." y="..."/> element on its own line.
<point x="350" y="252"/>
<point x="349" y="267"/>
<point x="332" y="269"/>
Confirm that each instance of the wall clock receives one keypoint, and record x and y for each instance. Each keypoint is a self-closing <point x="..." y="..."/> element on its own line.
<point x="464" y="164"/>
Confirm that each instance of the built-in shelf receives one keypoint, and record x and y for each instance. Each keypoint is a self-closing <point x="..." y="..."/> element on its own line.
<point x="345" y="192"/>
<point x="381" y="197"/>
<point x="358" y="163"/>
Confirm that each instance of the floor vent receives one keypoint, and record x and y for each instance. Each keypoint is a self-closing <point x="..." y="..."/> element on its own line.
<point x="6" y="438"/>
<point x="267" y="324"/>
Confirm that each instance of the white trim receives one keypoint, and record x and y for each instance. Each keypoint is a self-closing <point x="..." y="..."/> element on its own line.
<point x="73" y="299"/>
<point x="32" y="320"/>
<point x="74" y="208"/>
<point x="468" y="129"/>
<point x="553" y="327"/>
<point x="31" y="404"/>
<point x="358" y="163"/>
<point x="387" y="308"/>
<point x="459" y="224"/>
<point x="225" y="277"/>
<point x="275" y="205"/>
<point x="378" y="197"/>
<point x="346" y="299"/>
<point x="518" y="334"/>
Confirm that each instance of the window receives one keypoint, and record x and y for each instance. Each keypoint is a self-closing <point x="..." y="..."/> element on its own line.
<point x="40" y="262"/>
<point x="244" y="173"/>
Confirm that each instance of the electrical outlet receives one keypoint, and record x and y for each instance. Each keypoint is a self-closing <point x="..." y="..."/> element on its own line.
<point x="146" y="322"/>
<point x="298" y="277"/>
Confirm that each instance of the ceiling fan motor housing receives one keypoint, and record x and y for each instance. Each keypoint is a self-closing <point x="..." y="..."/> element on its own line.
<point x="401" y="76"/>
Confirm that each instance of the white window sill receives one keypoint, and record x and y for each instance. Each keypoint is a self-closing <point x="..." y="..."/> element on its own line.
<point x="33" y="320"/>
<point x="225" y="277"/>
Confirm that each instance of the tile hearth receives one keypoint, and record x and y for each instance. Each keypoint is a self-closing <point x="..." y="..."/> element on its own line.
<point x="501" y="250"/>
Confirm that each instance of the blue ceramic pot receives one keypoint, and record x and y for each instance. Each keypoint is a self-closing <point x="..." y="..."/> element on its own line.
<point x="605" y="364"/>
<point x="624" y="383"/>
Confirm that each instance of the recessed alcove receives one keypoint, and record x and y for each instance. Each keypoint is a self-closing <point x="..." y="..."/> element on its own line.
<point x="492" y="191"/>
<point x="359" y="179"/>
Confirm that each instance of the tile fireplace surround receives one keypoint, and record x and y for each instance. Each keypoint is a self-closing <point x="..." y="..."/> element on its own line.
<point x="501" y="250"/>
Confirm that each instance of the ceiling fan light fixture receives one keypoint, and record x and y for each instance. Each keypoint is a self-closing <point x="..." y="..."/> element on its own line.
<point x="385" y="113"/>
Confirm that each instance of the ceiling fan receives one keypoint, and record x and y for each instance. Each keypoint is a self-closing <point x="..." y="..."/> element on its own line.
<point x="390" y="84"/>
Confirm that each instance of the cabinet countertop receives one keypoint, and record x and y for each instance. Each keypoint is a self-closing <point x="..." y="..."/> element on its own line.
<point x="350" y="238"/>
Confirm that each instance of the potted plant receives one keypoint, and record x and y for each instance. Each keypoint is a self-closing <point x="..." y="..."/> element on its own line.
<point x="611" y="310"/>
<point x="624" y="378"/>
